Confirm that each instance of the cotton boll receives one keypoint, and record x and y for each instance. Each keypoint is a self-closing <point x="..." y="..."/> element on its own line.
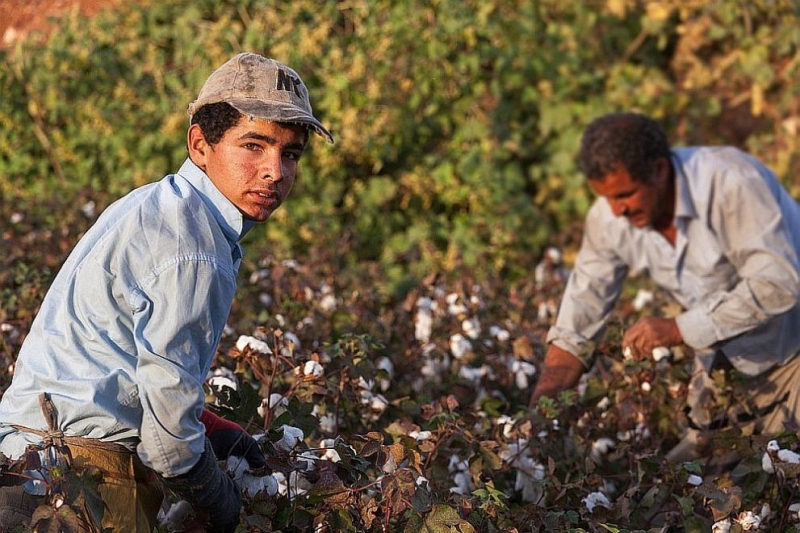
<point x="420" y="435"/>
<point x="499" y="333"/>
<point x="788" y="456"/>
<point x="472" y="374"/>
<point x="661" y="352"/>
<point x="291" y="438"/>
<point x="454" y="307"/>
<point x="471" y="328"/>
<point x="282" y="487"/>
<point x="765" y="513"/>
<point x="459" y="346"/>
<point x="327" y="423"/>
<point x="767" y="464"/>
<point x="310" y="369"/>
<point x="271" y="484"/>
<point x="88" y="209"/>
<point x="277" y="403"/>
<point x="328" y="302"/>
<point x="423" y="320"/>
<point x="522" y="370"/>
<point x="595" y="499"/>
<point x="643" y="298"/>
<point x="178" y="513"/>
<point x="219" y="382"/>
<point x="385" y="364"/>
<point x="601" y="447"/>
<point x="255" y="345"/>
<point x="748" y="521"/>
<point x="237" y="467"/>
<point x="723" y="526"/>
<point x="463" y="484"/>
<point x="290" y="345"/>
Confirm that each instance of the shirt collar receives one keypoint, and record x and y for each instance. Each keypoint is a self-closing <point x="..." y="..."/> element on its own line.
<point x="684" y="206"/>
<point x="225" y="213"/>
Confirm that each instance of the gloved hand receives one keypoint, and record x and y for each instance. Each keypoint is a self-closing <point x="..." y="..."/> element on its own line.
<point x="206" y="487"/>
<point x="229" y="438"/>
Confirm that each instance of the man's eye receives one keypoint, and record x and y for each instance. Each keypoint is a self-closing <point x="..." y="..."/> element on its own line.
<point x="252" y="146"/>
<point x="294" y="156"/>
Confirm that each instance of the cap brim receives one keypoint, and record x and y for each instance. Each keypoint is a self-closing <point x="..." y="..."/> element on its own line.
<point x="280" y="112"/>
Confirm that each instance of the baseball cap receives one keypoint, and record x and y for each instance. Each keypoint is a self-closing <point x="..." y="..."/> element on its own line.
<point x="260" y="87"/>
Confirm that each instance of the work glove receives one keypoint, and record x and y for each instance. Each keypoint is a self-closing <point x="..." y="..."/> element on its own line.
<point x="229" y="438"/>
<point x="207" y="488"/>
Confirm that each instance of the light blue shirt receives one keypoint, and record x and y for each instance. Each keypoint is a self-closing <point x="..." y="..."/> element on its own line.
<point x="126" y="333"/>
<point x="734" y="266"/>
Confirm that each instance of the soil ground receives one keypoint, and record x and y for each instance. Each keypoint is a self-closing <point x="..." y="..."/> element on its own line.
<point x="18" y="18"/>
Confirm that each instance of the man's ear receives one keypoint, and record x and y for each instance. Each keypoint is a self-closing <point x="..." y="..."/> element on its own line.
<point x="197" y="145"/>
<point x="663" y="169"/>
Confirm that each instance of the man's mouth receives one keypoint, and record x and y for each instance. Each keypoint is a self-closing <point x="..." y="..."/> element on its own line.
<point x="268" y="196"/>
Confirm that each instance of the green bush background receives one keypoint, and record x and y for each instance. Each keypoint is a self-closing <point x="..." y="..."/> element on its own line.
<point x="457" y="121"/>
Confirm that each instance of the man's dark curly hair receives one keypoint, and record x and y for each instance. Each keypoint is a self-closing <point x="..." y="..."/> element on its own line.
<point x="215" y="119"/>
<point x="630" y="140"/>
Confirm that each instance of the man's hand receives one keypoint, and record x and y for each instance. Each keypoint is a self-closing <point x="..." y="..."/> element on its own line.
<point x="229" y="438"/>
<point x="649" y="333"/>
<point x="561" y="371"/>
<point x="210" y="491"/>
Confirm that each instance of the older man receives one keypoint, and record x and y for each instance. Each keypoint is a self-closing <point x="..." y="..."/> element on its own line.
<point x="712" y="226"/>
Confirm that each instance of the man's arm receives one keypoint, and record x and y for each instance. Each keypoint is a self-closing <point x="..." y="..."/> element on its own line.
<point x="561" y="371"/>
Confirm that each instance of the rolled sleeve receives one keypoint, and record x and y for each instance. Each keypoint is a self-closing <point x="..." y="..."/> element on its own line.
<point x="697" y="328"/>
<point x="180" y="312"/>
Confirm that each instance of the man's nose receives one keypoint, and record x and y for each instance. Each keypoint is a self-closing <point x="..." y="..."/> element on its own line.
<point x="271" y="168"/>
<point x="619" y="209"/>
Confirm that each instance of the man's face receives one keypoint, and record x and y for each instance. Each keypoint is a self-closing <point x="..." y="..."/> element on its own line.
<point x="643" y="203"/>
<point x="254" y="164"/>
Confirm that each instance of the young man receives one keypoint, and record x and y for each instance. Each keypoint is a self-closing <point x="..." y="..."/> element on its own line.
<point x="112" y="370"/>
<point x="712" y="226"/>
